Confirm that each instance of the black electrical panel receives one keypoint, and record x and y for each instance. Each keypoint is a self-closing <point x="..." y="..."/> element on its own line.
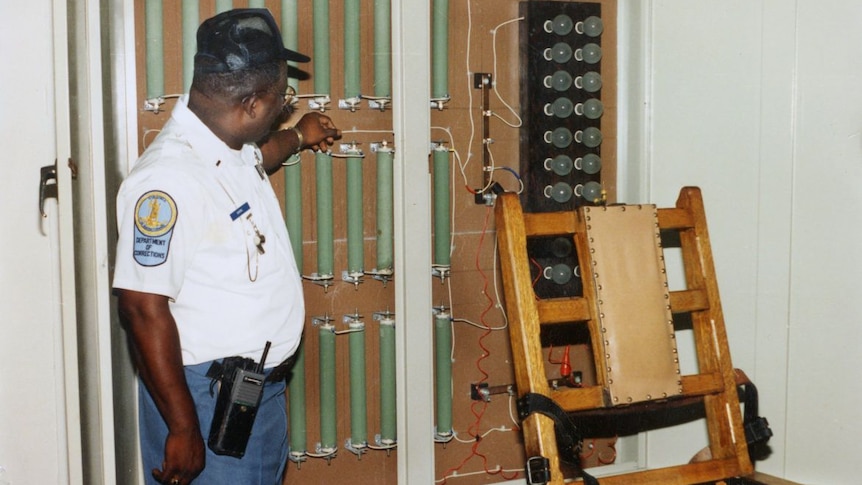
<point x="562" y="106"/>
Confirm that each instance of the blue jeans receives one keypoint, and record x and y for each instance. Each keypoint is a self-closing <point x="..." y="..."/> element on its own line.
<point x="266" y="453"/>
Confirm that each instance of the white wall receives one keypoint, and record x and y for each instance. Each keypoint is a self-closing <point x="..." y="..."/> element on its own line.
<point x="759" y="104"/>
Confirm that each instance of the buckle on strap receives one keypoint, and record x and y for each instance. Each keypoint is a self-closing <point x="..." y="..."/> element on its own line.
<point x="568" y="438"/>
<point x="538" y="470"/>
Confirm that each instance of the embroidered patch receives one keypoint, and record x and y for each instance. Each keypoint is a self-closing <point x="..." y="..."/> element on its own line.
<point x="155" y="216"/>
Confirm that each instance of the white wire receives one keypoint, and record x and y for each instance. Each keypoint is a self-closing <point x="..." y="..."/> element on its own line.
<point x="500" y="429"/>
<point x="454" y="151"/>
<point x="520" y="181"/>
<point x="518" y="123"/>
<point x="499" y="469"/>
<point x="469" y="90"/>
<point x="389" y="132"/>
<point x="511" y="415"/>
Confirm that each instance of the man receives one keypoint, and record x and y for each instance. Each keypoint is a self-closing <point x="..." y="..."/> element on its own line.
<point x="205" y="270"/>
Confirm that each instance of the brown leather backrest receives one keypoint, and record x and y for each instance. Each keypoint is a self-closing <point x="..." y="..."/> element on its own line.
<point x="628" y="278"/>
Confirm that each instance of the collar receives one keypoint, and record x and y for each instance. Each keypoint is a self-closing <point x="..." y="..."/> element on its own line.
<point x="209" y="147"/>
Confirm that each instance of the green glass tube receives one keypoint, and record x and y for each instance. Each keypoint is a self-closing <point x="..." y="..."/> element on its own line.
<point x="290" y="34"/>
<point x="355" y="238"/>
<point x="191" y="19"/>
<point x="384" y="208"/>
<point x="326" y="343"/>
<point x="382" y="48"/>
<point x="388" y="412"/>
<point x="440" y="49"/>
<point x="256" y="3"/>
<point x="352" y="77"/>
<point x="155" y="49"/>
<point x="293" y="208"/>
<point x="323" y="164"/>
<point x="443" y="374"/>
<point x="223" y="5"/>
<point x="296" y="400"/>
<point x="358" y="419"/>
<point x="320" y="14"/>
<point x="442" y="221"/>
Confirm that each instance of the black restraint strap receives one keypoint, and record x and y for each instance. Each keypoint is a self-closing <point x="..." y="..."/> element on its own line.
<point x="756" y="427"/>
<point x="569" y="439"/>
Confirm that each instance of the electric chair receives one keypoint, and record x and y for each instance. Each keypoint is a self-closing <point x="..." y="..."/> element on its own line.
<point x="628" y="310"/>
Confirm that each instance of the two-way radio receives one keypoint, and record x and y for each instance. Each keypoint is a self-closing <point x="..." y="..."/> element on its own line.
<point x="236" y="407"/>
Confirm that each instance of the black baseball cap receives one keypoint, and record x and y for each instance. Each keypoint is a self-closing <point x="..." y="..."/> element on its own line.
<point x="241" y="39"/>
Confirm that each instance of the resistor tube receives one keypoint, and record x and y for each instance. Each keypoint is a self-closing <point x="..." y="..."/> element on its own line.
<point x="320" y="14"/>
<point x="382" y="48"/>
<point x="355" y="213"/>
<point x="191" y="19"/>
<point x="440" y="49"/>
<point x="296" y="400"/>
<point x="293" y="209"/>
<point x="443" y="374"/>
<point x="323" y="164"/>
<point x="155" y="49"/>
<point x="388" y="410"/>
<point x="384" y="208"/>
<point x="442" y="221"/>
<point x="352" y="79"/>
<point x="358" y="420"/>
<point x="223" y="5"/>
<point x="327" y="388"/>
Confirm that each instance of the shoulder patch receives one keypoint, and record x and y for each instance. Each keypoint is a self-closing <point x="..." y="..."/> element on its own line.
<point x="155" y="217"/>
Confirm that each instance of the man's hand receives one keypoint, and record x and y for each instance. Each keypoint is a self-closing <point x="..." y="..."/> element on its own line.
<point x="184" y="458"/>
<point x="318" y="131"/>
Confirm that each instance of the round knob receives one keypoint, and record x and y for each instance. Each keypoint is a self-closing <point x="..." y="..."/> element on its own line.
<point x="561" y="25"/>
<point x="590" y="163"/>
<point x="560" y="192"/>
<point x="592" y="191"/>
<point x="591" y="108"/>
<point x="591" y="137"/>
<point x="560" y="53"/>
<point x="591" y="26"/>
<point x="590" y="53"/>
<point x="560" y="81"/>
<point x="561" y="108"/>
<point x="560" y="165"/>
<point x="590" y="82"/>
<point x="561" y="137"/>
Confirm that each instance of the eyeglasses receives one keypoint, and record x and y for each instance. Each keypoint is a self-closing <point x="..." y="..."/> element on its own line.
<point x="288" y="98"/>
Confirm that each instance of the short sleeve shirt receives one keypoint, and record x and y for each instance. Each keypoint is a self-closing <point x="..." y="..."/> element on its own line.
<point x="199" y="223"/>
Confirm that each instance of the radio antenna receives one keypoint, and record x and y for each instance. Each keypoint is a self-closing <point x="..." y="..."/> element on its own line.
<point x="263" y="357"/>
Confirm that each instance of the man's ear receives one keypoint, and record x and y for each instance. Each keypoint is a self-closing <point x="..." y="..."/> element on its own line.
<point x="249" y="105"/>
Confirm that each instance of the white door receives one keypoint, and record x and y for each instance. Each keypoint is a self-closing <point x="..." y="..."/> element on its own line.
<point x="39" y="418"/>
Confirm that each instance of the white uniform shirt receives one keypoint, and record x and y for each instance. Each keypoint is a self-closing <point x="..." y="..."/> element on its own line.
<point x="190" y="214"/>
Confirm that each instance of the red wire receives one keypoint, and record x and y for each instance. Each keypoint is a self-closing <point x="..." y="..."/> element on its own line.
<point x="473" y="429"/>
<point x="536" y="279"/>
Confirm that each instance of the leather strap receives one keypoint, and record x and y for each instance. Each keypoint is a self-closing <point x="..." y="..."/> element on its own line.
<point x="569" y="439"/>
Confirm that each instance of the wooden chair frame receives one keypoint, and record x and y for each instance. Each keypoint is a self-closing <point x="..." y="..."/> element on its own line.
<point x="714" y="383"/>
